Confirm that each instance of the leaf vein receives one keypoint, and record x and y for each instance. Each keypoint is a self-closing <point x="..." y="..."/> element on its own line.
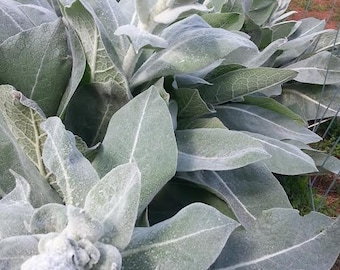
<point x="168" y="242"/>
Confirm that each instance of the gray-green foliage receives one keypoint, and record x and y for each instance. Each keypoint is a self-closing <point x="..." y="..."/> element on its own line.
<point x="145" y="134"/>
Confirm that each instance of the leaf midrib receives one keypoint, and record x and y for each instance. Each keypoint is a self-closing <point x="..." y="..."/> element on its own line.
<point x="312" y="100"/>
<point x="270" y="256"/>
<point x="265" y="119"/>
<point x="139" y="127"/>
<point x="101" y="124"/>
<point x="147" y="247"/>
<point x="187" y="105"/>
<point x="251" y="218"/>
<point x="280" y="148"/>
<point x="68" y="196"/>
<point x="38" y="150"/>
<point x="12" y="19"/>
<point x="94" y="52"/>
<point x="231" y="155"/>
<point x="41" y="64"/>
<point x="322" y="69"/>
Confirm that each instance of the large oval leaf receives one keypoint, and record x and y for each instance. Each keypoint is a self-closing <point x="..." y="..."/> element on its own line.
<point x="269" y="123"/>
<point x="74" y="174"/>
<point x="38" y="13"/>
<point x="273" y="105"/>
<point x="309" y="26"/>
<point x="283" y="239"/>
<point x="248" y="190"/>
<point x="14" y="18"/>
<point x="327" y="40"/>
<point x="260" y="11"/>
<point x="216" y="149"/>
<point x="190" y="104"/>
<point x="114" y="202"/>
<point x="141" y="132"/>
<point x="14" y="158"/>
<point x="23" y="117"/>
<point x="101" y="66"/>
<point x="285" y="158"/>
<point x="325" y="162"/>
<point x="243" y="82"/>
<point x="298" y="45"/>
<point x="184" y="241"/>
<point x="321" y="68"/>
<point x="187" y="38"/>
<point x="312" y="101"/>
<point x="111" y="16"/>
<point x="39" y="52"/>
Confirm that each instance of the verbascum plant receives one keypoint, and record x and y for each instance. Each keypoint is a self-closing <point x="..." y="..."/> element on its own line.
<point x="147" y="135"/>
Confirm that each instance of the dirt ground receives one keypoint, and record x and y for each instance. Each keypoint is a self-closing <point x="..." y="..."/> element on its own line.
<point x="328" y="10"/>
<point x="332" y="202"/>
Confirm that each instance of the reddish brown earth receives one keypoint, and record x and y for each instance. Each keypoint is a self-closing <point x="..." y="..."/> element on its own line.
<point x="328" y="10"/>
<point x="332" y="200"/>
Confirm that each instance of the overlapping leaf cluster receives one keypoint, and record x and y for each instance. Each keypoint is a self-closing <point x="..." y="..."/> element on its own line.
<point x="147" y="134"/>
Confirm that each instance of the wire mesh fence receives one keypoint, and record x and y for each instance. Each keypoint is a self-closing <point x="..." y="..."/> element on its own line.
<point x="326" y="126"/>
<point x="324" y="188"/>
<point x="330" y="124"/>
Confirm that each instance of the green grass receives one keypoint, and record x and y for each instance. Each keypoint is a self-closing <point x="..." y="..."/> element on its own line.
<point x="330" y="139"/>
<point x="330" y="209"/>
<point x="299" y="194"/>
<point x="297" y="187"/>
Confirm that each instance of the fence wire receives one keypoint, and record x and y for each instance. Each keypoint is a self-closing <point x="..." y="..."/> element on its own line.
<point x="333" y="180"/>
<point x="331" y="122"/>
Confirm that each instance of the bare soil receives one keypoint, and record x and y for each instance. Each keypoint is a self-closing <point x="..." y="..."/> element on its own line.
<point x="332" y="202"/>
<point x="328" y="10"/>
